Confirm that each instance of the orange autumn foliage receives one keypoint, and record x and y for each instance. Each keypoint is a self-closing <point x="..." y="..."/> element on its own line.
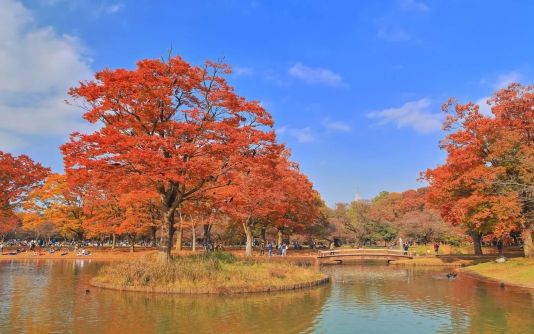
<point x="18" y="177"/>
<point x="486" y="184"/>
<point x="167" y="126"/>
<point x="55" y="203"/>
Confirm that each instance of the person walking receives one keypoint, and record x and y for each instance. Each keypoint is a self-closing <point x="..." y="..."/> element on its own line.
<point x="499" y="246"/>
<point x="262" y="248"/>
<point x="270" y="248"/>
<point x="405" y="247"/>
<point x="436" y="248"/>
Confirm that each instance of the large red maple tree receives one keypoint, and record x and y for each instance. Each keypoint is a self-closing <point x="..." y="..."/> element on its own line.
<point x="465" y="187"/>
<point x="168" y="126"/>
<point x="512" y="151"/>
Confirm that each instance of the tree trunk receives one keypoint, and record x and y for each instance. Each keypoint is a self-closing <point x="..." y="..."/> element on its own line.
<point x="280" y="237"/>
<point x="180" y="231"/>
<point x="153" y="231"/>
<point x="113" y="241"/>
<point x="194" y="236"/>
<point x="248" y="232"/>
<point x="168" y="233"/>
<point x="477" y="245"/>
<point x="179" y="234"/>
<point x="207" y="232"/>
<point x="528" y="245"/>
<point x="264" y="235"/>
<point x="132" y="243"/>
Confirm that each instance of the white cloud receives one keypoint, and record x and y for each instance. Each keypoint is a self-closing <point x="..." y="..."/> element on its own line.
<point x="281" y="130"/>
<point x="37" y="67"/>
<point x="413" y="5"/>
<point x="505" y="79"/>
<point x="392" y="33"/>
<point x="9" y="142"/>
<point x="95" y="8"/>
<point x="336" y="125"/>
<point x="315" y="75"/>
<point x="501" y="81"/>
<point x="390" y="27"/>
<point x="414" y="114"/>
<point x="243" y="71"/>
<point x="113" y="8"/>
<point x="483" y="106"/>
<point x="302" y="135"/>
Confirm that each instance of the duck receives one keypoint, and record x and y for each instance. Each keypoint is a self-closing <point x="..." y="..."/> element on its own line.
<point x="451" y="275"/>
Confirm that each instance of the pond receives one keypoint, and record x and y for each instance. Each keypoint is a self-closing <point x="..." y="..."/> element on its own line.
<point x="51" y="297"/>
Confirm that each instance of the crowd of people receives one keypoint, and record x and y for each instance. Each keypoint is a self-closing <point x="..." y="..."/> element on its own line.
<point x="40" y="247"/>
<point x="273" y="248"/>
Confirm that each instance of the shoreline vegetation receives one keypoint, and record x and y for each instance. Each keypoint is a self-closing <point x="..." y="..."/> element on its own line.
<point x="514" y="272"/>
<point x="206" y="273"/>
<point x="430" y="261"/>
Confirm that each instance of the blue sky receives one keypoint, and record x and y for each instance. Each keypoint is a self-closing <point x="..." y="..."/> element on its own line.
<point x="355" y="87"/>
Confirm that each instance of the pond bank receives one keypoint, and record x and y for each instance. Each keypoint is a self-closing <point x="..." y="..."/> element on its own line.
<point x="516" y="272"/>
<point x="105" y="255"/>
<point x="434" y="261"/>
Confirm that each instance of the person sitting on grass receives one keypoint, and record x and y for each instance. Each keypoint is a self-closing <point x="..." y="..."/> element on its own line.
<point x="83" y="252"/>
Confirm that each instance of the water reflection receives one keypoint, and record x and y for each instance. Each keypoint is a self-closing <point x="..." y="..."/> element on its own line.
<point x="422" y="300"/>
<point x="50" y="296"/>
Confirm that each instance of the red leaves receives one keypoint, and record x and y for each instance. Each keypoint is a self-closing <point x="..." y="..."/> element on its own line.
<point x="171" y="129"/>
<point x="477" y="187"/>
<point x="18" y="176"/>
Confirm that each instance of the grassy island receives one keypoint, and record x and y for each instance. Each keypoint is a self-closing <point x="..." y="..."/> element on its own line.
<point x="206" y="273"/>
<point x="517" y="271"/>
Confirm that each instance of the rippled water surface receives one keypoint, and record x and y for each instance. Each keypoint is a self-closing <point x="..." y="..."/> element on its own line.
<point x="50" y="297"/>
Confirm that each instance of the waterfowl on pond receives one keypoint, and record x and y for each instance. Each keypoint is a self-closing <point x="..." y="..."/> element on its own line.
<point x="451" y="275"/>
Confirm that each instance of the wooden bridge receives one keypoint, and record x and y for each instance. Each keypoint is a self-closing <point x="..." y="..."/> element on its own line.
<point x="339" y="255"/>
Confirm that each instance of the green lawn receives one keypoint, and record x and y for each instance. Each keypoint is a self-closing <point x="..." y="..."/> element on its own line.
<point x="519" y="271"/>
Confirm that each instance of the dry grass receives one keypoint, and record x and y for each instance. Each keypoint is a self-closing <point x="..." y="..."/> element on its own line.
<point x="433" y="261"/>
<point x="218" y="272"/>
<point x="518" y="271"/>
<point x="443" y="250"/>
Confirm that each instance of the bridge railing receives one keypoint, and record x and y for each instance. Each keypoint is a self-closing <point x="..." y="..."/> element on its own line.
<point x="360" y="251"/>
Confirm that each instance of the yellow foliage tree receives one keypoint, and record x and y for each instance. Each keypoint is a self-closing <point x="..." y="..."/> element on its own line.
<point x="56" y="204"/>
